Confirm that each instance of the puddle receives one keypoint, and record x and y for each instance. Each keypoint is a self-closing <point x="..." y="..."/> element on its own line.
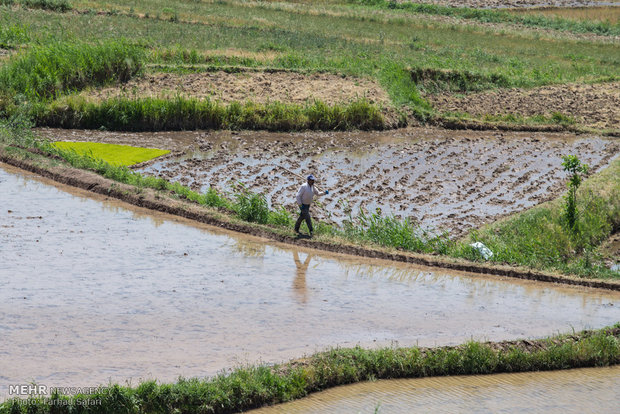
<point x="93" y="290"/>
<point x="453" y="180"/>
<point x="587" y="390"/>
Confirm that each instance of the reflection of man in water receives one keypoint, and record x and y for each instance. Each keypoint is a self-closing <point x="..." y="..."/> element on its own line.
<point x="299" y="283"/>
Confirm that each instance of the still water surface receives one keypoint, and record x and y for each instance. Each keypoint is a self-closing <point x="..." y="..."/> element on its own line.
<point x="578" y="391"/>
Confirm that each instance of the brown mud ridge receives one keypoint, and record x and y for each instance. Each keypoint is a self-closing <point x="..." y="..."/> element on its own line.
<point x="443" y="180"/>
<point x="594" y="106"/>
<point x="513" y="4"/>
<point x="153" y="200"/>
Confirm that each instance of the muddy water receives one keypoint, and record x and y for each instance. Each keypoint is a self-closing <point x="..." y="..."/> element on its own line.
<point x="92" y="291"/>
<point x="452" y="180"/>
<point x="590" y="390"/>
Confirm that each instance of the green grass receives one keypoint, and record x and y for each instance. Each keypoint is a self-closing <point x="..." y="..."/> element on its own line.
<point x="389" y="231"/>
<point x="45" y="72"/>
<point x="111" y="153"/>
<point x="254" y="386"/>
<point x="53" y="5"/>
<point x="13" y="35"/>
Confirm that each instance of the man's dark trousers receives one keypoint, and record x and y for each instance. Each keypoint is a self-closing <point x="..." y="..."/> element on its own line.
<point x="304" y="214"/>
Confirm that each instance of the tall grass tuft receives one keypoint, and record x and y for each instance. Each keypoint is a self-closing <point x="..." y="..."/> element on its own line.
<point x="44" y="72"/>
<point x="389" y="231"/>
<point x="250" y="206"/>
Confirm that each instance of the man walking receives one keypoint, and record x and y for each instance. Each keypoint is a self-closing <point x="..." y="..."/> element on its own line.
<point x="304" y="199"/>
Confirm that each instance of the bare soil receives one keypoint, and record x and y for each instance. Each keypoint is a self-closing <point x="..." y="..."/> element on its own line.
<point x="595" y="106"/>
<point x="444" y="180"/>
<point x="261" y="87"/>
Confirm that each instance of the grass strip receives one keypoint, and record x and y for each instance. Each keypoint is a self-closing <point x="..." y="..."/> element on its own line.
<point x="182" y="113"/>
<point x="112" y="153"/>
<point x="255" y="386"/>
<point x="496" y="16"/>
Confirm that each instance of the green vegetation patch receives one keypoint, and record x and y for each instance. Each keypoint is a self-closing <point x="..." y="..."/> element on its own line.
<point x="111" y="153"/>
<point x="182" y="113"/>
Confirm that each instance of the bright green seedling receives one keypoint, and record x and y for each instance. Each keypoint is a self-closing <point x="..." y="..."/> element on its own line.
<point x="119" y="155"/>
<point x="577" y="170"/>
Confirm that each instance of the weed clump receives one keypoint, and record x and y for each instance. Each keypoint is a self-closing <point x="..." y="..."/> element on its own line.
<point x="389" y="231"/>
<point x="250" y="206"/>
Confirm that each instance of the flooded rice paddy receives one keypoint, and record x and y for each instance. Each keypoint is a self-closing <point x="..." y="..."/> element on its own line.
<point x="93" y="290"/>
<point x="450" y="180"/>
<point x="588" y="390"/>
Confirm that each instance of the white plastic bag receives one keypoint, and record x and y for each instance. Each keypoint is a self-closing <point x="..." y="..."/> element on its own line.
<point x="484" y="251"/>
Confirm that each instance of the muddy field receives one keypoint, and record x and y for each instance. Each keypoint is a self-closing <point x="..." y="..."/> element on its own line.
<point x="448" y="180"/>
<point x="259" y="87"/>
<point x="508" y="4"/>
<point x="595" y="106"/>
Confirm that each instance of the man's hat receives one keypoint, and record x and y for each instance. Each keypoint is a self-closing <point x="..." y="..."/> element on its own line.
<point x="311" y="177"/>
